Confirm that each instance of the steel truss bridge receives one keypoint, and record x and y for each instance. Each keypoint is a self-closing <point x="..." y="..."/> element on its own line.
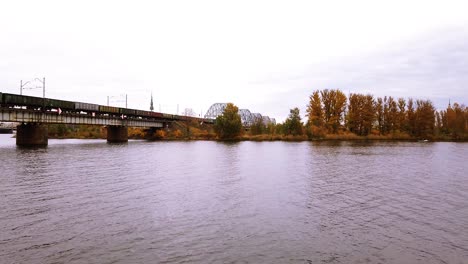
<point x="248" y="118"/>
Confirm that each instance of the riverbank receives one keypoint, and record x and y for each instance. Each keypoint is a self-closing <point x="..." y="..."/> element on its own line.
<point x="201" y="132"/>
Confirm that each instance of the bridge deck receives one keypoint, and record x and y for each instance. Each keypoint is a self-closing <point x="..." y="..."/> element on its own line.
<point x="29" y="116"/>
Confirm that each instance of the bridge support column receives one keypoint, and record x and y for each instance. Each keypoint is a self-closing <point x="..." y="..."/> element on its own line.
<point x="31" y="135"/>
<point x="117" y="134"/>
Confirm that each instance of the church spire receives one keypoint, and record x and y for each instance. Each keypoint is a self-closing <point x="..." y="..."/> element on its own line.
<point x="151" y="104"/>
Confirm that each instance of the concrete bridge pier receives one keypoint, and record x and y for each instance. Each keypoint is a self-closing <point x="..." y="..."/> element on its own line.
<point x="117" y="134"/>
<point x="31" y="135"/>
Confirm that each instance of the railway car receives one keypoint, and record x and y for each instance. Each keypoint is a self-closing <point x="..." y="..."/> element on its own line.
<point x="184" y="118"/>
<point x="32" y="102"/>
<point x="143" y="113"/>
<point x="156" y="114"/>
<point x="12" y="100"/>
<point x="1" y="99"/>
<point x="86" y="107"/>
<point x="63" y="105"/>
<point x="167" y="115"/>
<point x="108" y="109"/>
<point x="126" y="111"/>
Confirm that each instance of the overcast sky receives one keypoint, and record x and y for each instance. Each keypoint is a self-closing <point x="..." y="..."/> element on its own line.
<point x="266" y="56"/>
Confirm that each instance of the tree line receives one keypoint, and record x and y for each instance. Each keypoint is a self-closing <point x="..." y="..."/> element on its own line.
<point x="331" y="113"/>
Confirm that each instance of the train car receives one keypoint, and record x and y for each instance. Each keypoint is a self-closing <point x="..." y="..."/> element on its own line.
<point x="12" y="100"/>
<point x="168" y="115"/>
<point x="63" y="105"/>
<point x="184" y="118"/>
<point x="22" y="100"/>
<point x="126" y="111"/>
<point x="156" y="114"/>
<point x="86" y="107"/>
<point x="143" y="113"/>
<point x="108" y="109"/>
<point x="207" y="120"/>
<point x="1" y="99"/>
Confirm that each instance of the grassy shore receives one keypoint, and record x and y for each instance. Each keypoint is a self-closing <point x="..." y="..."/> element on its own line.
<point x="203" y="132"/>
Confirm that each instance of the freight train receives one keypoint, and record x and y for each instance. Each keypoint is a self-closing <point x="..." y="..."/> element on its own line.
<point x="68" y="107"/>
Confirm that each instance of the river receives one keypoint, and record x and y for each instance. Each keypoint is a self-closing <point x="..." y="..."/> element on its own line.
<point x="86" y="201"/>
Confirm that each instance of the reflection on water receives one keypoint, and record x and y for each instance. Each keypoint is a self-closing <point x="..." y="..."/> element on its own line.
<point x="85" y="201"/>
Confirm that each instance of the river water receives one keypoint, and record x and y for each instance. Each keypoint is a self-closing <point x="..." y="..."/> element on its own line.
<point x="86" y="201"/>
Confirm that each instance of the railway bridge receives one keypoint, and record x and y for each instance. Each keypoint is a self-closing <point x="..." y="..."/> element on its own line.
<point x="33" y="113"/>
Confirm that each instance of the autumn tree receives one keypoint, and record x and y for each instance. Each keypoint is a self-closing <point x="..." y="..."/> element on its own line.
<point x="293" y="125"/>
<point x="450" y="119"/>
<point x="439" y="123"/>
<point x="315" y="124"/>
<point x="401" y="114"/>
<point x="379" y="111"/>
<point x="410" y="118"/>
<point x="330" y="110"/>
<point x="459" y="122"/>
<point x="353" y="116"/>
<point x="443" y="122"/>
<point x="314" y="110"/>
<point x="392" y="115"/>
<point x="361" y="114"/>
<point x="229" y="124"/>
<point x="424" y="119"/>
<point x="334" y="104"/>
<point x="453" y="121"/>
<point x="385" y="123"/>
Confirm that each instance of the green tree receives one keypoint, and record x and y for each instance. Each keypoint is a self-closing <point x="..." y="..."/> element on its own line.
<point x="293" y="125"/>
<point x="257" y="127"/>
<point x="271" y="129"/>
<point x="62" y="130"/>
<point x="229" y="124"/>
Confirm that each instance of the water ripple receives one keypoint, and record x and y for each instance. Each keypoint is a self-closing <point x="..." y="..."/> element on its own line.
<point x="206" y="202"/>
